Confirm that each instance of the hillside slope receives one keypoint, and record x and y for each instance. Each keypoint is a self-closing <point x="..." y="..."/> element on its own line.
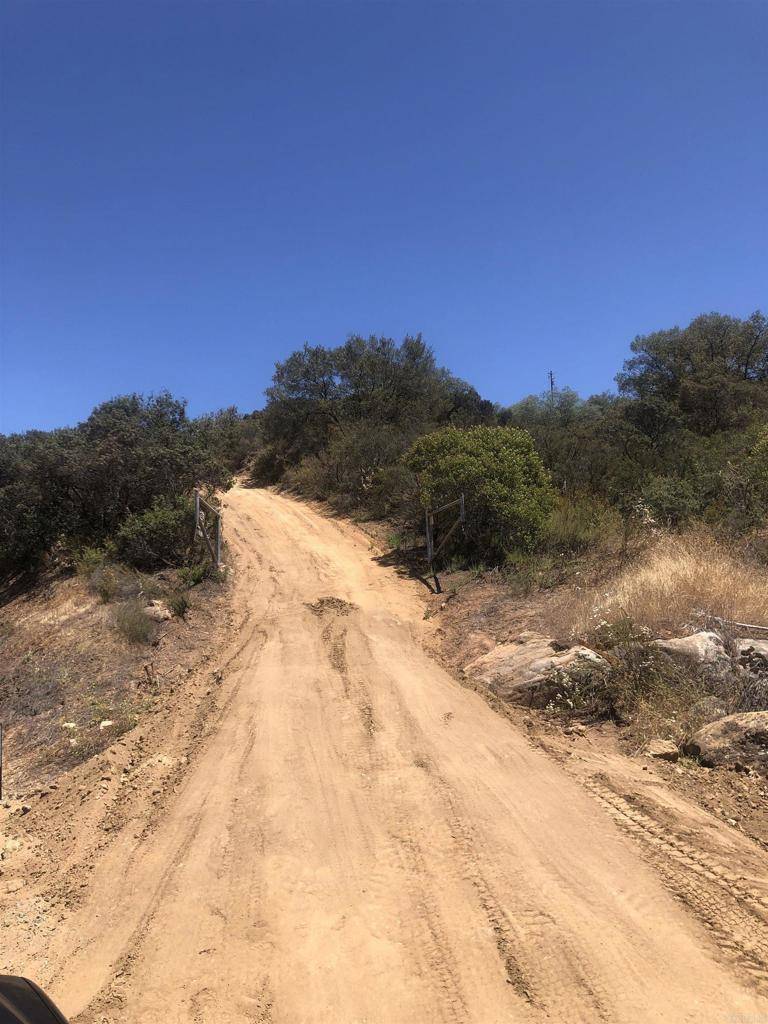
<point x="342" y="833"/>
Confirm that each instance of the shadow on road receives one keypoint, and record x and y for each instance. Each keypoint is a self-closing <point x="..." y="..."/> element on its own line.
<point x="409" y="563"/>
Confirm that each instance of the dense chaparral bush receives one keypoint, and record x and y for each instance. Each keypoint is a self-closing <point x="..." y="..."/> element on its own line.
<point x="506" y="487"/>
<point x="78" y="487"/>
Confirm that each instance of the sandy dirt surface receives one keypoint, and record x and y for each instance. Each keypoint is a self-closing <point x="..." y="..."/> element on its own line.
<point x="332" y="829"/>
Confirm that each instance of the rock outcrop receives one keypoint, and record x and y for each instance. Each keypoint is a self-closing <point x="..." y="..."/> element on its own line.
<point x="736" y="741"/>
<point x="158" y="611"/>
<point x="662" y="750"/>
<point x="529" y="671"/>
<point x="705" y="649"/>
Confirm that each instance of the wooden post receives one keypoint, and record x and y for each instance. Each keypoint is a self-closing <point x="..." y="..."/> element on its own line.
<point x="1" y="761"/>
<point x="218" y="541"/>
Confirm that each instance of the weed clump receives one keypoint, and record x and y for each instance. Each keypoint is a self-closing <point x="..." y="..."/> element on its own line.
<point x="178" y="602"/>
<point x="192" y="575"/>
<point x="130" y="620"/>
<point x="111" y="582"/>
<point x="650" y="694"/>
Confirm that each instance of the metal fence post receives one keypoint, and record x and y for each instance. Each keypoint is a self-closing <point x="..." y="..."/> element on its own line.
<point x="218" y="541"/>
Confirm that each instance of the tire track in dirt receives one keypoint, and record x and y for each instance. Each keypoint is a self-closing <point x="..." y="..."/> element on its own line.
<point x="332" y="610"/>
<point x="431" y="941"/>
<point x="359" y="839"/>
<point x="409" y="852"/>
<point x="737" y="916"/>
<point x="110" y="995"/>
<point x="523" y="936"/>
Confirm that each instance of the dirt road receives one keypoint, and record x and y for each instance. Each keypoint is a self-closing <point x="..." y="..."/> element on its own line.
<point x="363" y="840"/>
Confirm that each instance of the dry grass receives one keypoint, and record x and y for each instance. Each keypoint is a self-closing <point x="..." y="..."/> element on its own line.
<point x="682" y="583"/>
<point x="131" y="621"/>
<point x="647" y="692"/>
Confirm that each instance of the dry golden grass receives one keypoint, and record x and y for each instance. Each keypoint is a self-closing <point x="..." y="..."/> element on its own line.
<point x="681" y="583"/>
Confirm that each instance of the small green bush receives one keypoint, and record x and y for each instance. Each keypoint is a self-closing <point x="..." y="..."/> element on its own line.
<point x="178" y="603"/>
<point x="88" y="560"/>
<point x="192" y="575"/>
<point x="508" y="493"/>
<point x="671" y="501"/>
<point x="112" y="582"/>
<point x="310" y="477"/>
<point x="104" y="583"/>
<point x="159" y="537"/>
<point x="648" y="692"/>
<point x="130" y="620"/>
<point x="151" y="589"/>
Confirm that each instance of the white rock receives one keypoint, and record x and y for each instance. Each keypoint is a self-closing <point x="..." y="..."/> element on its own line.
<point x="158" y="611"/>
<point x="525" y="672"/>
<point x="705" y="648"/>
<point x="664" y="750"/>
<point x="106" y="724"/>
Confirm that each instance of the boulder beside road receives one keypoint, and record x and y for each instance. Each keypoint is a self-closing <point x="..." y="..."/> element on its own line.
<point x="736" y="741"/>
<point x="662" y="750"/>
<point x="527" y="671"/>
<point x="705" y="649"/>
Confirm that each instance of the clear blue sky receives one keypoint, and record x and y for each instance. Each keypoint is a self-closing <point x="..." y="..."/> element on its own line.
<point x="192" y="190"/>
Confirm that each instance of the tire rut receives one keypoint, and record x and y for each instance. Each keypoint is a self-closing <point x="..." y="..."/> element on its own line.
<point x="735" y="915"/>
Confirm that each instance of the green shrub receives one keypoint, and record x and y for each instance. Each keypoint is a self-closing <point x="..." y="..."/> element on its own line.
<point x="310" y="477"/>
<point x="77" y="486"/>
<point x="672" y="501"/>
<point x="192" y="575"/>
<point x="88" y="560"/>
<point x="113" y="581"/>
<point x="151" y="589"/>
<point x="103" y="581"/>
<point x="160" y="536"/>
<point x="507" y="490"/>
<point x="178" y="603"/>
<point x="643" y="689"/>
<point x="130" y="620"/>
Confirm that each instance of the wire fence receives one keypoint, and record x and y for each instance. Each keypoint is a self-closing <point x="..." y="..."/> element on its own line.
<point x="208" y="527"/>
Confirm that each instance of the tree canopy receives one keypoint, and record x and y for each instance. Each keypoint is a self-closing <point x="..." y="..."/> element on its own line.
<point x="682" y="438"/>
<point x="78" y="485"/>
